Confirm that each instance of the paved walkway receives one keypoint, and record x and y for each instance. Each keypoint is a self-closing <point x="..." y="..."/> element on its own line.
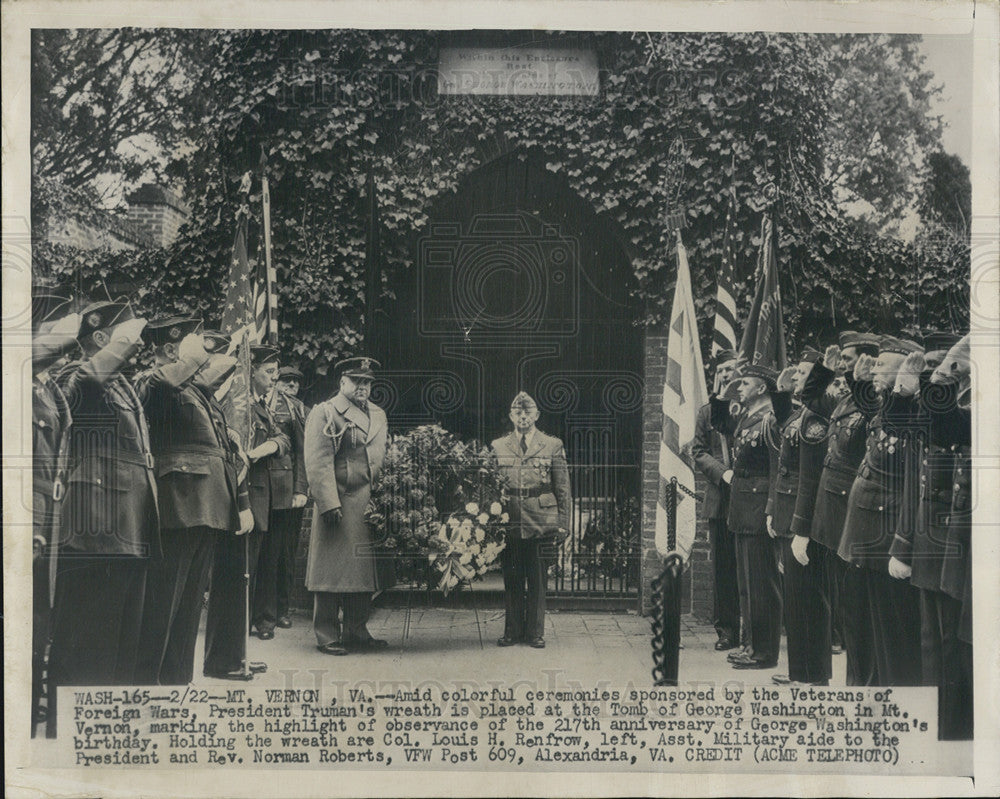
<point x="443" y="646"/>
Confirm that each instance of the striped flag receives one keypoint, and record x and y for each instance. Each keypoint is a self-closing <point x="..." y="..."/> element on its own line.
<point x="265" y="299"/>
<point x="684" y="393"/>
<point x="724" y="335"/>
<point x="764" y="335"/>
<point x="238" y="320"/>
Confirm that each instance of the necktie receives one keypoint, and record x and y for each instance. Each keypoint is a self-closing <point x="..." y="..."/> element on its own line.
<point x="524" y="444"/>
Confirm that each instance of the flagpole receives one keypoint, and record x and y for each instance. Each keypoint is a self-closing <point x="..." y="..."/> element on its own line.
<point x="271" y="330"/>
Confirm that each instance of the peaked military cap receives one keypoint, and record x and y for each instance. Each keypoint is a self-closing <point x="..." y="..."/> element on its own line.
<point x="289" y="372"/>
<point x="724" y="356"/>
<point x="899" y="346"/>
<point x="523" y="400"/>
<point x="261" y="354"/>
<point x="765" y="373"/>
<point x="171" y="329"/>
<point x="215" y="341"/>
<point x="810" y="355"/>
<point x="48" y="307"/>
<point x="102" y="315"/>
<point x="360" y="366"/>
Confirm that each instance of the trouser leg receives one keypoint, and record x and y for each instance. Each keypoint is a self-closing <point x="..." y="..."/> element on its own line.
<point x="225" y="627"/>
<point x="357" y="610"/>
<point x="513" y="588"/>
<point x="177" y="667"/>
<point x="255" y="542"/>
<point x="743" y="584"/>
<point x="862" y="666"/>
<point x="726" y="593"/>
<point x="326" y="618"/>
<point x="536" y="569"/>
<point x="895" y="614"/>
<point x="39" y="632"/>
<point x="289" y="525"/>
<point x="265" y="595"/>
<point x="765" y="596"/>
<point x="955" y="692"/>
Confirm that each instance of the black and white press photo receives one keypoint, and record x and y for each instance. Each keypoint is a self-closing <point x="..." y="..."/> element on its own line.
<point x="465" y="399"/>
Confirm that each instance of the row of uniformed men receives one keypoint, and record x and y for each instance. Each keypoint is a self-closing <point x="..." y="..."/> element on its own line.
<point x="141" y="489"/>
<point x="841" y="499"/>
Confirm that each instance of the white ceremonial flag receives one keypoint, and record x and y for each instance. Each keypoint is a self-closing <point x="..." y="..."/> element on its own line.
<point x="684" y="393"/>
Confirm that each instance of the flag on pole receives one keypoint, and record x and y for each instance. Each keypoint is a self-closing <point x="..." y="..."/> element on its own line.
<point x="265" y="299"/>
<point x="724" y="335"/>
<point x="238" y="320"/>
<point x="684" y="393"/>
<point x="763" y="340"/>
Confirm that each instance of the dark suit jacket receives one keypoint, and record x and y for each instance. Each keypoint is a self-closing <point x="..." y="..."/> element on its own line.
<point x="266" y="484"/>
<point x="707" y="451"/>
<point x="290" y="417"/>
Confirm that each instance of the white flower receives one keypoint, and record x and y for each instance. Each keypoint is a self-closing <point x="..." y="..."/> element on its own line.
<point x="443" y="530"/>
<point x="465" y="558"/>
<point x="505" y="518"/>
<point x="480" y="534"/>
<point x="496" y="509"/>
<point x="453" y="522"/>
<point x="483" y="518"/>
<point x="466" y="525"/>
<point x="472" y="509"/>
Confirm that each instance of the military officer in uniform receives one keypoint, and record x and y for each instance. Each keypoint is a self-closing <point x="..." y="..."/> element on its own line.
<point x="755" y="453"/>
<point x="931" y="545"/>
<point x="345" y="441"/>
<point x="712" y="453"/>
<point x="270" y="481"/>
<point x="892" y="621"/>
<point x="110" y="522"/>
<point x="197" y="493"/>
<point x="540" y="507"/>
<point x="844" y="450"/>
<point x="807" y="613"/>
<point x="226" y="624"/>
<point x="278" y="553"/>
<point x="54" y="331"/>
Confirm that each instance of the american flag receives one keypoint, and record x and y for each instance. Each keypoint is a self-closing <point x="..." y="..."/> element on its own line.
<point x="684" y="393"/>
<point x="239" y="319"/>
<point x="724" y="336"/>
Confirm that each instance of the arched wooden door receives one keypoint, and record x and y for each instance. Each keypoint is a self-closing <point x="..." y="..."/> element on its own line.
<point x="519" y="285"/>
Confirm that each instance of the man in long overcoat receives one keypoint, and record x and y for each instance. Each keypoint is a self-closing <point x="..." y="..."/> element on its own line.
<point x="345" y="441"/>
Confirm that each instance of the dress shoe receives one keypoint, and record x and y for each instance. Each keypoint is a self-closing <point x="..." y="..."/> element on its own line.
<point x="724" y="644"/>
<point x="236" y="674"/>
<point x="781" y="679"/>
<point x="537" y="643"/>
<point x="265" y="635"/>
<point x="836" y="649"/>
<point x="753" y="663"/>
<point x="365" y="644"/>
<point x="284" y="622"/>
<point x="257" y="667"/>
<point x="743" y="652"/>
<point x="332" y="648"/>
<point x="507" y="641"/>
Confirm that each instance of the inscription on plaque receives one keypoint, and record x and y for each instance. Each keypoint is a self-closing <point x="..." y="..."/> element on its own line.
<point x="518" y="71"/>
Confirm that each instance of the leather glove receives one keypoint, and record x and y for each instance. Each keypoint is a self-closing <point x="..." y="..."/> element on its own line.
<point x="800" y="545"/>
<point x="246" y="522"/>
<point x="298" y="500"/>
<point x="898" y="569"/>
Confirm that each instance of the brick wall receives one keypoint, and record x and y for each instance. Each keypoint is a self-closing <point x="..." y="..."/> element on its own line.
<point x="158" y="213"/>
<point x="697" y="586"/>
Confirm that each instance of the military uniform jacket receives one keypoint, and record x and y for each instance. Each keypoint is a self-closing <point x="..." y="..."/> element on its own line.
<point x="50" y="428"/>
<point x="344" y="452"/>
<point x="755" y="460"/>
<point x="845" y="448"/>
<point x="785" y="485"/>
<point x="876" y="496"/>
<point x="195" y="474"/>
<point x="814" y="429"/>
<point x="711" y="460"/>
<point x="111" y="504"/>
<point x="933" y="531"/>
<point x="266" y="483"/>
<point x="288" y="471"/>
<point x="538" y="480"/>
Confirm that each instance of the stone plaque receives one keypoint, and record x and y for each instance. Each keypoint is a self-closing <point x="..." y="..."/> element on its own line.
<point x="518" y="71"/>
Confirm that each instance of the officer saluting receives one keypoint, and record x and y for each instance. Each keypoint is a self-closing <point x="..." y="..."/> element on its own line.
<point x="110" y="520"/>
<point x="54" y="330"/>
<point x="345" y="440"/>
<point x="540" y="507"/>
<point x="226" y="627"/>
<point x="755" y="452"/>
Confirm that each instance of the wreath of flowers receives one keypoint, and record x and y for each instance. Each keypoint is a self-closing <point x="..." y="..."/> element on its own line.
<point x="467" y="544"/>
